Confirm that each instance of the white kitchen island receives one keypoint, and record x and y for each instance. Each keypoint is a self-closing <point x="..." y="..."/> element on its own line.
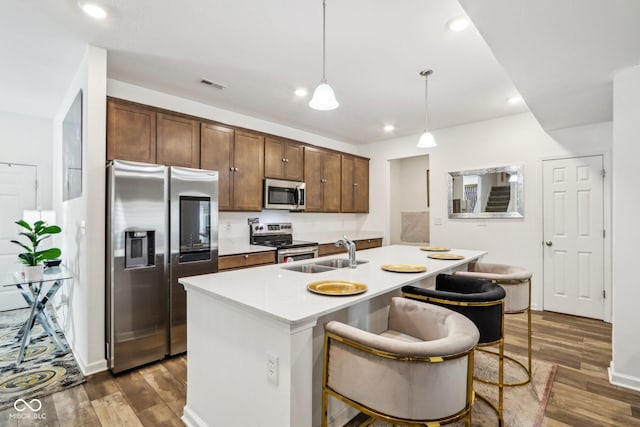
<point x="255" y="336"/>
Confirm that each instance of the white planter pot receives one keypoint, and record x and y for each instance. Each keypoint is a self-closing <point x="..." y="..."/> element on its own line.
<point x="33" y="273"/>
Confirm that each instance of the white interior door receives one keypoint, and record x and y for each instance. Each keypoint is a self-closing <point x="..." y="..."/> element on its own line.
<point x="574" y="236"/>
<point x="17" y="193"/>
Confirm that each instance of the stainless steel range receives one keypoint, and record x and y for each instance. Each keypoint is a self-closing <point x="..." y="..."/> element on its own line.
<point x="280" y="235"/>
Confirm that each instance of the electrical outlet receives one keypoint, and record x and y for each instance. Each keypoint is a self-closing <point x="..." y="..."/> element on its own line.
<point x="272" y="368"/>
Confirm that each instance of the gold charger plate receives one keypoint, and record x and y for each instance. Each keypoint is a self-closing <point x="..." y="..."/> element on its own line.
<point x="336" y="287"/>
<point x="445" y="256"/>
<point x="404" y="268"/>
<point x="435" y="248"/>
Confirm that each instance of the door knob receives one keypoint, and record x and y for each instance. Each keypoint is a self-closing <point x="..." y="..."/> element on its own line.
<point x="548" y="243"/>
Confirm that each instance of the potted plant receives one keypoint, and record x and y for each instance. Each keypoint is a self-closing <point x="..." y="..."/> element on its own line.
<point x="32" y="258"/>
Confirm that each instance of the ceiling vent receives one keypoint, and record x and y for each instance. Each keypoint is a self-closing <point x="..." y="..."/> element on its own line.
<point x="212" y="84"/>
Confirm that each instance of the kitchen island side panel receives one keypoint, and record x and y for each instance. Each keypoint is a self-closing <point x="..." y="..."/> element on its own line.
<point x="227" y="381"/>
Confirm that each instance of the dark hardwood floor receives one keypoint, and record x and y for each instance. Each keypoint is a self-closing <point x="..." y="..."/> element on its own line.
<point x="155" y="395"/>
<point x="581" y="394"/>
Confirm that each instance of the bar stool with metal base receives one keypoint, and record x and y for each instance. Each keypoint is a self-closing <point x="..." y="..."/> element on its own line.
<point x="516" y="282"/>
<point x="480" y="301"/>
<point x="419" y="372"/>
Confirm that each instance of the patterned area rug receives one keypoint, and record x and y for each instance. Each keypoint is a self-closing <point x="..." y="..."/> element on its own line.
<point x="524" y="405"/>
<point x="43" y="371"/>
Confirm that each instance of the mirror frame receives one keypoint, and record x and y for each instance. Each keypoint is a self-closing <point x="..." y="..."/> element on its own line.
<point x="518" y="213"/>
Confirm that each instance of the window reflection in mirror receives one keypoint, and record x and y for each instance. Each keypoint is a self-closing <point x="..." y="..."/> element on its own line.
<point x="486" y="193"/>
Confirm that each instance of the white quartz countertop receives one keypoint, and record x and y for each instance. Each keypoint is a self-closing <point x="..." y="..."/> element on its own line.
<point x="282" y="295"/>
<point x="334" y="236"/>
<point x="235" y="246"/>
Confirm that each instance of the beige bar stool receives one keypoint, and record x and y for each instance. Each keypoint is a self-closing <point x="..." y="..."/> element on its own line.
<point x="419" y="372"/>
<point x="516" y="282"/>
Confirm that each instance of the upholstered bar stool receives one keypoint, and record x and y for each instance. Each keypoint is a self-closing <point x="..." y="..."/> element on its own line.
<point x="480" y="301"/>
<point x="419" y="372"/>
<point x="516" y="282"/>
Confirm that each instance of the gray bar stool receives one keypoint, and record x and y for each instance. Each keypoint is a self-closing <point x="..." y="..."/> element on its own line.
<point x="516" y="282"/>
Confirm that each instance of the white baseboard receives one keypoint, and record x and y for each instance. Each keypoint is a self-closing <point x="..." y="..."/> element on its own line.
<point x="626" y="381"/>
<point x="191" y="419"/>
<point x="88" y="368"/>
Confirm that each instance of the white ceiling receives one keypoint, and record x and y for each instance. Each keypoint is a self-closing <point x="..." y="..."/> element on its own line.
<point x="562" y="54"/>
<point x="263" y="50"/>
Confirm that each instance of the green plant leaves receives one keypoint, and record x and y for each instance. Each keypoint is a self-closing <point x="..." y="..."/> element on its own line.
<point x="36" y="234"/>
<point x="51" y="253"/>
<point x="51" y="229"/>
<point x="24" y="224"/>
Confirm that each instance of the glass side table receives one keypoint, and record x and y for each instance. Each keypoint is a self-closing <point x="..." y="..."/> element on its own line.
<point x="37" y="294"/>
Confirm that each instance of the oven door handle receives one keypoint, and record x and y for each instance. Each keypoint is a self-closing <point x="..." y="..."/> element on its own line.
<point x="297" y="251"/>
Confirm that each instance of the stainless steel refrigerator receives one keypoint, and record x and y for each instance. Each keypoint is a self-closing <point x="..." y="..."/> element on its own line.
<point x="162" y="224"/>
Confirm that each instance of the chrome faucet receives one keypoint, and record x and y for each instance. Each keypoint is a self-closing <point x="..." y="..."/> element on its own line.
<point x="351" y="248"/>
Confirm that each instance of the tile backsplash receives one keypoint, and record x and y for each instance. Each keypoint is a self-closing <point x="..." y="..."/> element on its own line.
<point x="233" y="225"/>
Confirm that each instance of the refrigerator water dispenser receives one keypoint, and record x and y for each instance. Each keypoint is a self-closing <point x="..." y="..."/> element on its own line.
<point x="139" y="249"/>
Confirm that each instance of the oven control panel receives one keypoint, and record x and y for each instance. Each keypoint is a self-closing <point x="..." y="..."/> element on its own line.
<point x="271" y="228"/>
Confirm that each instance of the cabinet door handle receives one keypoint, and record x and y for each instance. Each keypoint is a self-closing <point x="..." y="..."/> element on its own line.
<point x="548" y="243"/>
<point x="231" y="169"/>
<point x="355" y="185"/>
<point x="235" y="169"/>
<point x="284" y="160"/>
<point x="246" y="257"/>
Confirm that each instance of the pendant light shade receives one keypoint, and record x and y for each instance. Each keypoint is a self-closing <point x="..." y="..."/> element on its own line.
<point x="426" y="139"/>
<point x="323" y="97"/>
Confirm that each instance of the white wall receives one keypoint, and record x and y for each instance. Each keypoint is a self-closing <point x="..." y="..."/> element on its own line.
<point x="516" y="139"/>
<point x="625" y="366"/>
<point x="27" y="140"/>
<point x="408" y="191"/>
<point x="81" y="301"/>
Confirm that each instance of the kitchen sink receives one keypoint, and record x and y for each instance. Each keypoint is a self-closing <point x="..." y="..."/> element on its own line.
<point x="322" y="266"/>
<point x="309" y="268"/>
<point x="338" y="263"/>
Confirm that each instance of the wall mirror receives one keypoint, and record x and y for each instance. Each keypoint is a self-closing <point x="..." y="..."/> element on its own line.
<point x="487" y="193"/>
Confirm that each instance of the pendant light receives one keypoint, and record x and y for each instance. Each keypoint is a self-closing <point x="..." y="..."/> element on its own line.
<point x="426" y="139"/>
<point x="323" y="97"/>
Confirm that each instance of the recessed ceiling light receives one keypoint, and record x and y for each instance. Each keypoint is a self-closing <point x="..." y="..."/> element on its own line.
<point x="514" y="99"/>
<point x="301" y="92"/>
<point x="93" y="10"/>
<point x="458" y="24"/>
<point x="389" y="128"/>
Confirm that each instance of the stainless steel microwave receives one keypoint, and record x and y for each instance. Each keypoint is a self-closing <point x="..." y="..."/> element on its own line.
<point x="279" y="194"/>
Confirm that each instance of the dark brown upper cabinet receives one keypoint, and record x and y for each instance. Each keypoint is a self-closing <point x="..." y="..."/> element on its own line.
<point x="355" y="184"/>
<point x="322" y="179"/>
<point x="131" y="132"/>
<point x="238" y="156"/>
<point x="283" y="159"/>
<point x="178" y="141"/>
